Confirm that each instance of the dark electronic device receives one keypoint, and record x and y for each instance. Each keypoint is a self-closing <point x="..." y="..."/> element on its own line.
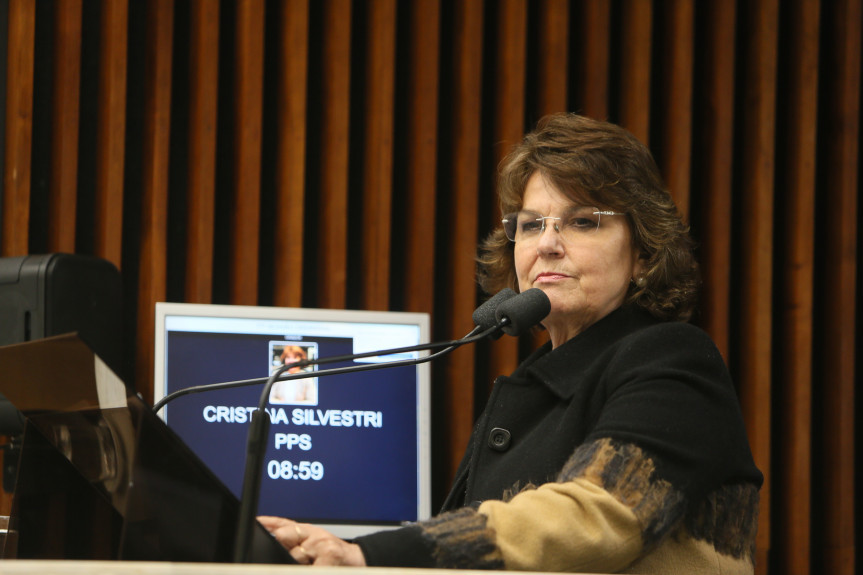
<point x="52" y="294"/>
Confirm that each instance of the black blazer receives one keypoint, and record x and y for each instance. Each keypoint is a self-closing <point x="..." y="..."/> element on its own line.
<point x="658" y="388"/>
<point x="662" y="386"/>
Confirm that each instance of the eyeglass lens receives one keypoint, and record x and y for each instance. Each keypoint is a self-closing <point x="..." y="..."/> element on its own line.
<point x="525" y="225"/>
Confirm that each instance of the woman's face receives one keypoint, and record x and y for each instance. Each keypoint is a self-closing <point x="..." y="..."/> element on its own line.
<point x="293" y="356"/>
<point x="585" y="273"/>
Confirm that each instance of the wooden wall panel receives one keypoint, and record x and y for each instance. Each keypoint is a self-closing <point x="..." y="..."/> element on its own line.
<point x="714" y="144"/>
<point x="111" y="131"/>
<point x="675" y="135"/>
<point x="756" y="261"/>
<point x="594" y="33"/>
<point x="797" y="180"/>
<point x="332" y="224"/>
<point x="19" y="127"/>
<point x="63" y="186"/>
<point x="203" y="120"/>
<point x="152" y="268"/>
<point x="553" y="56"/>
<point x="510" y="77"/>
<point x="635" y="67"/>
<point x="248" y="116"/>
<point x="839" y="344"/>
<point x="377" y="188"/>
<point x="399" y="112"/>
<point x="422" y="155"/>
<point x="460" y="230"/>
<point x="291" y="169"/>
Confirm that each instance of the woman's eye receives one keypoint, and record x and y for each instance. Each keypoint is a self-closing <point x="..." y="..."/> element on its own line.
<point x="581" y="222"/>
<point x="531" y="226"/>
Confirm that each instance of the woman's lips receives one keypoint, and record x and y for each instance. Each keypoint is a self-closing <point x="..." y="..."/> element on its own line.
<point x="550" y="277"/>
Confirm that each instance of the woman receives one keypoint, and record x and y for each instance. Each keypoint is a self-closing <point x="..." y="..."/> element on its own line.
<point x="298" y="391"/>
<point x="619" y="446"/>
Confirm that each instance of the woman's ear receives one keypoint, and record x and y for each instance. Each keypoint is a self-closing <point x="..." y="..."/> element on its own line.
<point x="639" y="264"/>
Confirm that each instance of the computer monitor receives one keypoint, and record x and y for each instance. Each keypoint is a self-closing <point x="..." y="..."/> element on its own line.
<point x="348" y="452"/>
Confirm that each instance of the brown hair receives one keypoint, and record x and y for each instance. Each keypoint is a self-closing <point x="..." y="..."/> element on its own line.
<point x="293" y="351"/>
<point x="601" y="164"/>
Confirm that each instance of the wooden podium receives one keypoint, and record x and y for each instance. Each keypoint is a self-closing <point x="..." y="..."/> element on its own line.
<point x="101" y="477"/>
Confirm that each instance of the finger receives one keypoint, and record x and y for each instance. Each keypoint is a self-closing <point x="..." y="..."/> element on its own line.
<point x="302" y="555"/>
<point x="285" y="531"/>
<point x="287" y="536"/>
<point x="301" y="535"/>
<point x="270" y="523"/>
<point x="336" y="552"/>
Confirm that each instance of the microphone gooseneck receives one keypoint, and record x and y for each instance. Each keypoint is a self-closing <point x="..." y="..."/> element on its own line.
<point x="483" y="318"/>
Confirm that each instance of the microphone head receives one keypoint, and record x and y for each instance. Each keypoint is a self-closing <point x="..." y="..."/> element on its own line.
<point x="484" y="315"/>
<point x="523" y="311"/>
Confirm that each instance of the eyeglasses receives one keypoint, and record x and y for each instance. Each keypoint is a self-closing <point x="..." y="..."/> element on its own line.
<point x="526" y="226"/>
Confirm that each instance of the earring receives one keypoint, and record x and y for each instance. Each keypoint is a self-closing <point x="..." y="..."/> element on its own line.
<point x="639" y="281"/>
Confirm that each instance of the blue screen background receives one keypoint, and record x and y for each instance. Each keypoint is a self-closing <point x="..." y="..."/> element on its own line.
<point x="370" y="474"/>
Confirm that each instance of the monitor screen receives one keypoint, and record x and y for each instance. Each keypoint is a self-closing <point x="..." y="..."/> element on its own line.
<point x="350" y="452"/>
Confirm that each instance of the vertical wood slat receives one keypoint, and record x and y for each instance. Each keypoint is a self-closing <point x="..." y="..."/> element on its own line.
<point x="332" y="221"/>
<point x="378" y="154"/>
<point x="756" y="261"/>
<point x="716" y="139"/>
<point x="203" y="110"/>
<point x="422" y="125"/>
<point x="154" y="206"/>
<point x="248" y="117"/>
<point x="553" y="59"/>
<point x="19" y="127"/>
<point x="510" y="76"/>
<point x="636" y="28"/>
<point x="291" y="168"/>
<point x="463" y="211"/>
<point x="793" y="476"/>
<point x="510" y="105"/>
<point x="842" y="260"/>
<point x="595" y="31"/>
<point x="677" y="100"/>
<point x="63" y="185"/>
<point x="111" y="130"/>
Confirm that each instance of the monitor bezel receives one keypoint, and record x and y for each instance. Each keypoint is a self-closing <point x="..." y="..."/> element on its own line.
<point x="163" y="310"/>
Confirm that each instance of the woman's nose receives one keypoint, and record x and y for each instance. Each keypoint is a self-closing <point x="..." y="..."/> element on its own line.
<point x="549" y="241"/>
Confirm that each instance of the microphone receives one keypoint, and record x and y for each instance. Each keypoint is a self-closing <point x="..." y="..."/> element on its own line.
<point x="523" y="312"/>
<point x="485" y="315"/>
<point x="531" y="308"/>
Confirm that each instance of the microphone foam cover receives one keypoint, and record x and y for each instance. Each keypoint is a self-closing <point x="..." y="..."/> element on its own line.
<point x="484" y="315"/>
<point x="523" y="311"/>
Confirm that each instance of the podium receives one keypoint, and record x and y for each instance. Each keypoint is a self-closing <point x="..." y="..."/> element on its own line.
<point x="101" y="477"/>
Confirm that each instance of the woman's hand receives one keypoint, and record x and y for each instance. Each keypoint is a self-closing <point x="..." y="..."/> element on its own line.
<point x="311" y="545"/>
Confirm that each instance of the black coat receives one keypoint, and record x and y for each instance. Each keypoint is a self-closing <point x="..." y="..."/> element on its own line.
<point x="660" y="385"/>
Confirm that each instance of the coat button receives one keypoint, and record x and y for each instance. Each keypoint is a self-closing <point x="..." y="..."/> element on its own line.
<point x="499" y="439"/>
